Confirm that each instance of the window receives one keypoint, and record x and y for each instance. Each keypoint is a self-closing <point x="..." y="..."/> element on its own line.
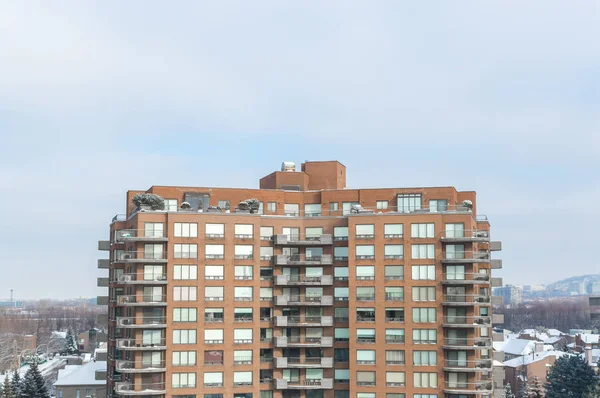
<point x="266" y="394"/>
<point x="243" y="252"/>
<point x="213" y="379"/>
<point x="425" y="358"/>
<point x="261" y="208"/>
<point x="455" y="272"/>
<point x="365" y="357"/>
<point x="266" y="294"/>
<point x="423" y="293"/>
<point x="185" y="251"/>
<point x="395" y="379"/>
<point x="272" y="207"/>
<point x="184" y="315"/>
<point x="425" y="380"/>
<point x="394" y="335"/>
<point x="266" y="233"/>
<point x="455" y="251"/>
<point x="347" y="207"/>
<point x="436" y="205"/>
<point x="313" y="233"/>
<point x="382" y="204"/>
<point x="213" y="272"/>
<point x="215" y="230"/>
<point x="242" y="336"/>
<point x="213" y="293"/>
<point x="340" y="293"/>
<point x="153" y="229"/>
<point x="212" y="315"/>
<point x="340" y="273"/>
<point x="365" y="272"/>
<point x="423" y="252"/>
<point x="184" y="358"/>
<point x="171" y="205"/>
<point x="365" y="252"/>
<point x="213" y="336"/>
<point x="340" y="253"/>
<point x="224" y="204"/>
<point x="78" y="393"/>
<point x="214" y="251"/>
<point x="184" y="293"/>
<point x="366" y="231"/>
<point x="393" y="395"/>
<point x="341" y="334"/>
<point x="340" y="314"/>
<point x="394" y="251"/>
<point x="266" y="252"/>
<point x="185" y="272"/>
<point x="242" y="293"/>
<point x="409" y="203"/>
<point x="392" y="231"/>
<point x="244" y="231"/>
<point x="243" y="272"/>
<point x="334" y="206"/>
<point x="291" y="209"/>
<point x="394" y="293"/>
<point x="186" y="336"/>
<point x="394" y="314"/>
<point x="455" y="230"/>
<point x="364" y="378"/>
<point x="341" y="375"/>
<point x="365" y="335"/>
<point x="266" y="273"/>
<point x="423" y="272"/>
<point x="242" y="315"/>
<point x="312" y="210"/>
<point x="423" y="315"/>
<point x="424" y="336"/>
<point x="183" y="380"/>
<point x="394" y="357"/>
<point x="365" y="314"/>
<point x="153" y="251"/>
<point x="185" y="230"/>
<point x="394" y="272"/>
<point x="242" y="378"/>
<point x="213" y="357"/>
<point x="365" y="293"/>
<point x="422" y="230"/>
<point x="366" y="394"/>
<point x="340" y="233"/>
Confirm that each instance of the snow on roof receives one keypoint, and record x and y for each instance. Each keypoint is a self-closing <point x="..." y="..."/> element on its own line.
<point x="553" y="340"/>
<point x="84" y="376"/>
<point x="588" y="338"/>
<point x="530" y="358"/>
<point x="517" y="346"/>
<point x="60" y="335"/>
<point x="555" y="332"/>
<point x="535" y="334"/>
<point x="497" y="363"/>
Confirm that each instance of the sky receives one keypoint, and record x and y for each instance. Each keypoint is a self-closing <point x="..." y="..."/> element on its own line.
<point x="501" y="97"/>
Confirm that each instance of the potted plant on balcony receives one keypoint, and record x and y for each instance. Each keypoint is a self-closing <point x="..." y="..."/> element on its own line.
<point x="185" y="206"/>
<point x="148" y="201"/>
<point x="467" y="204"/>
<point x="248" y="206"/>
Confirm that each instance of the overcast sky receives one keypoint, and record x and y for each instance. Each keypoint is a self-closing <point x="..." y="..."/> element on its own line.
<point x="501" y="97"/>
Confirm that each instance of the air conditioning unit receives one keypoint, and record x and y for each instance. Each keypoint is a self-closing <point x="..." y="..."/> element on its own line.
<point x="125" y="278"/>
<point x="127" y="256"/>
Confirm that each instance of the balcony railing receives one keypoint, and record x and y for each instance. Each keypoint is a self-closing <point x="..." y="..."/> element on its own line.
<point x="140" y="366"/>
<point x="297" y="341"/>
<point x="480" y="387"/>
<point x="142" y="279"/>
<point x="135" y="235"/>
<point x="142" y="322"/>
<point x="131" y="389"/>
<point x="307" y="321"/>
<point x="465" y="342"/>
<point x="304" y="280"/>
<point x="141" y="257"/>
<point x="302" y="259"/>
<point x="304" y="362"/>
<point x="141" y="344"/>
<point x="308" y="384"/>
<point x="482" y="364"/>
<point x="465" y="299"/>
<point x="459" y="320"/>
<point x="465" y="278"/>
<point x="460" y="257"/>
<point x="141" y="300"/>
<point x="469" y="235"/>
<point x="306" y="240"/>
<point x="304" y="300"/>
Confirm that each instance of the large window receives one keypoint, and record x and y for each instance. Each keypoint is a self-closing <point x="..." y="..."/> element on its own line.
<point x="436" y="205"/>
<point x="184" y="358"/>
<point x="423" y="251"/>
<point x="340" y="253"/>
<point x="154" y="229"/>
<point x="394" y="293"/>
<point x="395" y="357"/>
<point x="394" y="272"/>
<point x="185" y="336"/>
<point x="291" y="209"/>
<point x="213" y="293"/>
<point x="243" y="272"/>
<point x="423" y="315"/>
<point x="171" y="204"/>
<point x="214" y="251"/>
<point x="244" y="231"/>
<point x="340" y="273"/>
<point x="455" y="272"/>
<point x="212" y="315"/>
<point x="455" y="230"/>
<point x="183" y="380"/>
<point x="266" y="233"/>
<point x="340" y="233"/>
<point x="215" y="230"/>
<point x="394" y="314"/>
<point x="423" y="272"/>
<point x="424" y="336"/>
<point x="340" y="293"/>
<point x="347" y="207"/>
<point x="365" y="231"/>
<point x="213" y="272"/>
<point x="266" y="294"/>
<point x="426" y="293"/>
<point x="185" y="230"/>
<point x="425" y="358"/>
<point x="184" y="314"/>
<point x="392" y="231"/>
<point x="395" y="379"/>
<point x="365" y="252"/>
<point x="244" y="252"/>
<point x="185" y="250"/>
<point x="185" y="272"/>
<point x="394" y="251"/>
<point x="312" y="210"/>
<point x="242" y="293"/>
<point x="365" y="378"/>
<point x="213" y="336"/>
<point x="365" y="293"/>
<point x="409" y="203"/>
<point x="224" y="204"/>
<point x="266" y="252"/>
<point x="425" y="380"/>
<point x="365" y="272"/>
<point x="394" y="335"/>
<point x="365" y="335"/>
<point x="271" y="207"/>
<point x="365" y="357"/>
<point x="184" y="293"/>
<point x="213" y="379"/>
<point x="382" y="204"/>
<point x="341" y="334"/>
<point x="341" y="376"/>
<point x="242" y="378"/>
<point x="242" y="336"/>
<point x="422" y="230"/>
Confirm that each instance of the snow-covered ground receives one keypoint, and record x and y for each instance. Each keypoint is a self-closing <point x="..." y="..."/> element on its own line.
<point x="49" y="369"/>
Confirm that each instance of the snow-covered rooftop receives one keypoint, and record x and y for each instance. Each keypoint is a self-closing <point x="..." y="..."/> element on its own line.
<point x="515" y="346"/>
<point x="534" y="357"/>
<point x="589" y="338"/>
<point x="60" y="335"/>
<point x="85" y="375"/>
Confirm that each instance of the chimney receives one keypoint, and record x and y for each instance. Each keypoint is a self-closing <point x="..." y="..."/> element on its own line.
<point x="588" y="355"/>
<point x="539" y="346"/>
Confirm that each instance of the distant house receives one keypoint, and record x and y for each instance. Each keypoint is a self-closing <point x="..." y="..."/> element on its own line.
<point x="89" y="340"/>
<point x="586" y="340"/>
<point x="514" y="348"/>
<point x="521" y="370"/>
<point x="79" y="381"/>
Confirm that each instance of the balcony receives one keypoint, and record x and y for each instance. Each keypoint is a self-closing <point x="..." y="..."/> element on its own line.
<point x="151" y="300"/>
<point x="103" y="263"/>
<point x="465" y="300"/>
<point x="496" y="282"/>
<point x="477" y="388"/>
<point x="479" y="365"/>
<point x="141" y="345"/>
<point x="313" y="301"/>
<point x="297" y="341"/>
<point x="496" y="264"/>
<point x="310" y="384"/>
<point x="303" y="280"/>
<point x="141" y="257"/>
<point x="301" y="259"/>
<point x="130" y="389"/>
<point x="138" y="235"/>
<point x="131" y="322"/>
<point x="466" y="257"/>
<point x="306" y="321"/>
<point x="308" y="240"/>
<point x="470" y="235"/>
<point x="140" y="366"/>
<point x="460" y="321"/>
<point x="303" y="362"/>
<point x="142" y="279"/>
<point x="464" y="343"/>
<point x="468" y="278"/>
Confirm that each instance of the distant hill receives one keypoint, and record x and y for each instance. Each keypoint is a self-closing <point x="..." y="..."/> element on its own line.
<point x="573" y="284"/>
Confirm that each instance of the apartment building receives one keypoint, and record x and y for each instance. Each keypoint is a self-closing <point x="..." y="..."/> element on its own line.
<point x="595" y="308"/>
<point x="318" y="292"/>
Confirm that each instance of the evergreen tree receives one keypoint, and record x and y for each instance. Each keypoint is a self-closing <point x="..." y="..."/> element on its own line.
<point x="508" y="392"/>
<point x="34" y="385"/>
<point x="71" y="343"/>
<point x="523" y="390"/>
<point x="535" y="389"/>
<point x="7" y="391"/>
<point x="16" y="384"/>
<point x="570" y="376"/>
<point x="593" y="391"/>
